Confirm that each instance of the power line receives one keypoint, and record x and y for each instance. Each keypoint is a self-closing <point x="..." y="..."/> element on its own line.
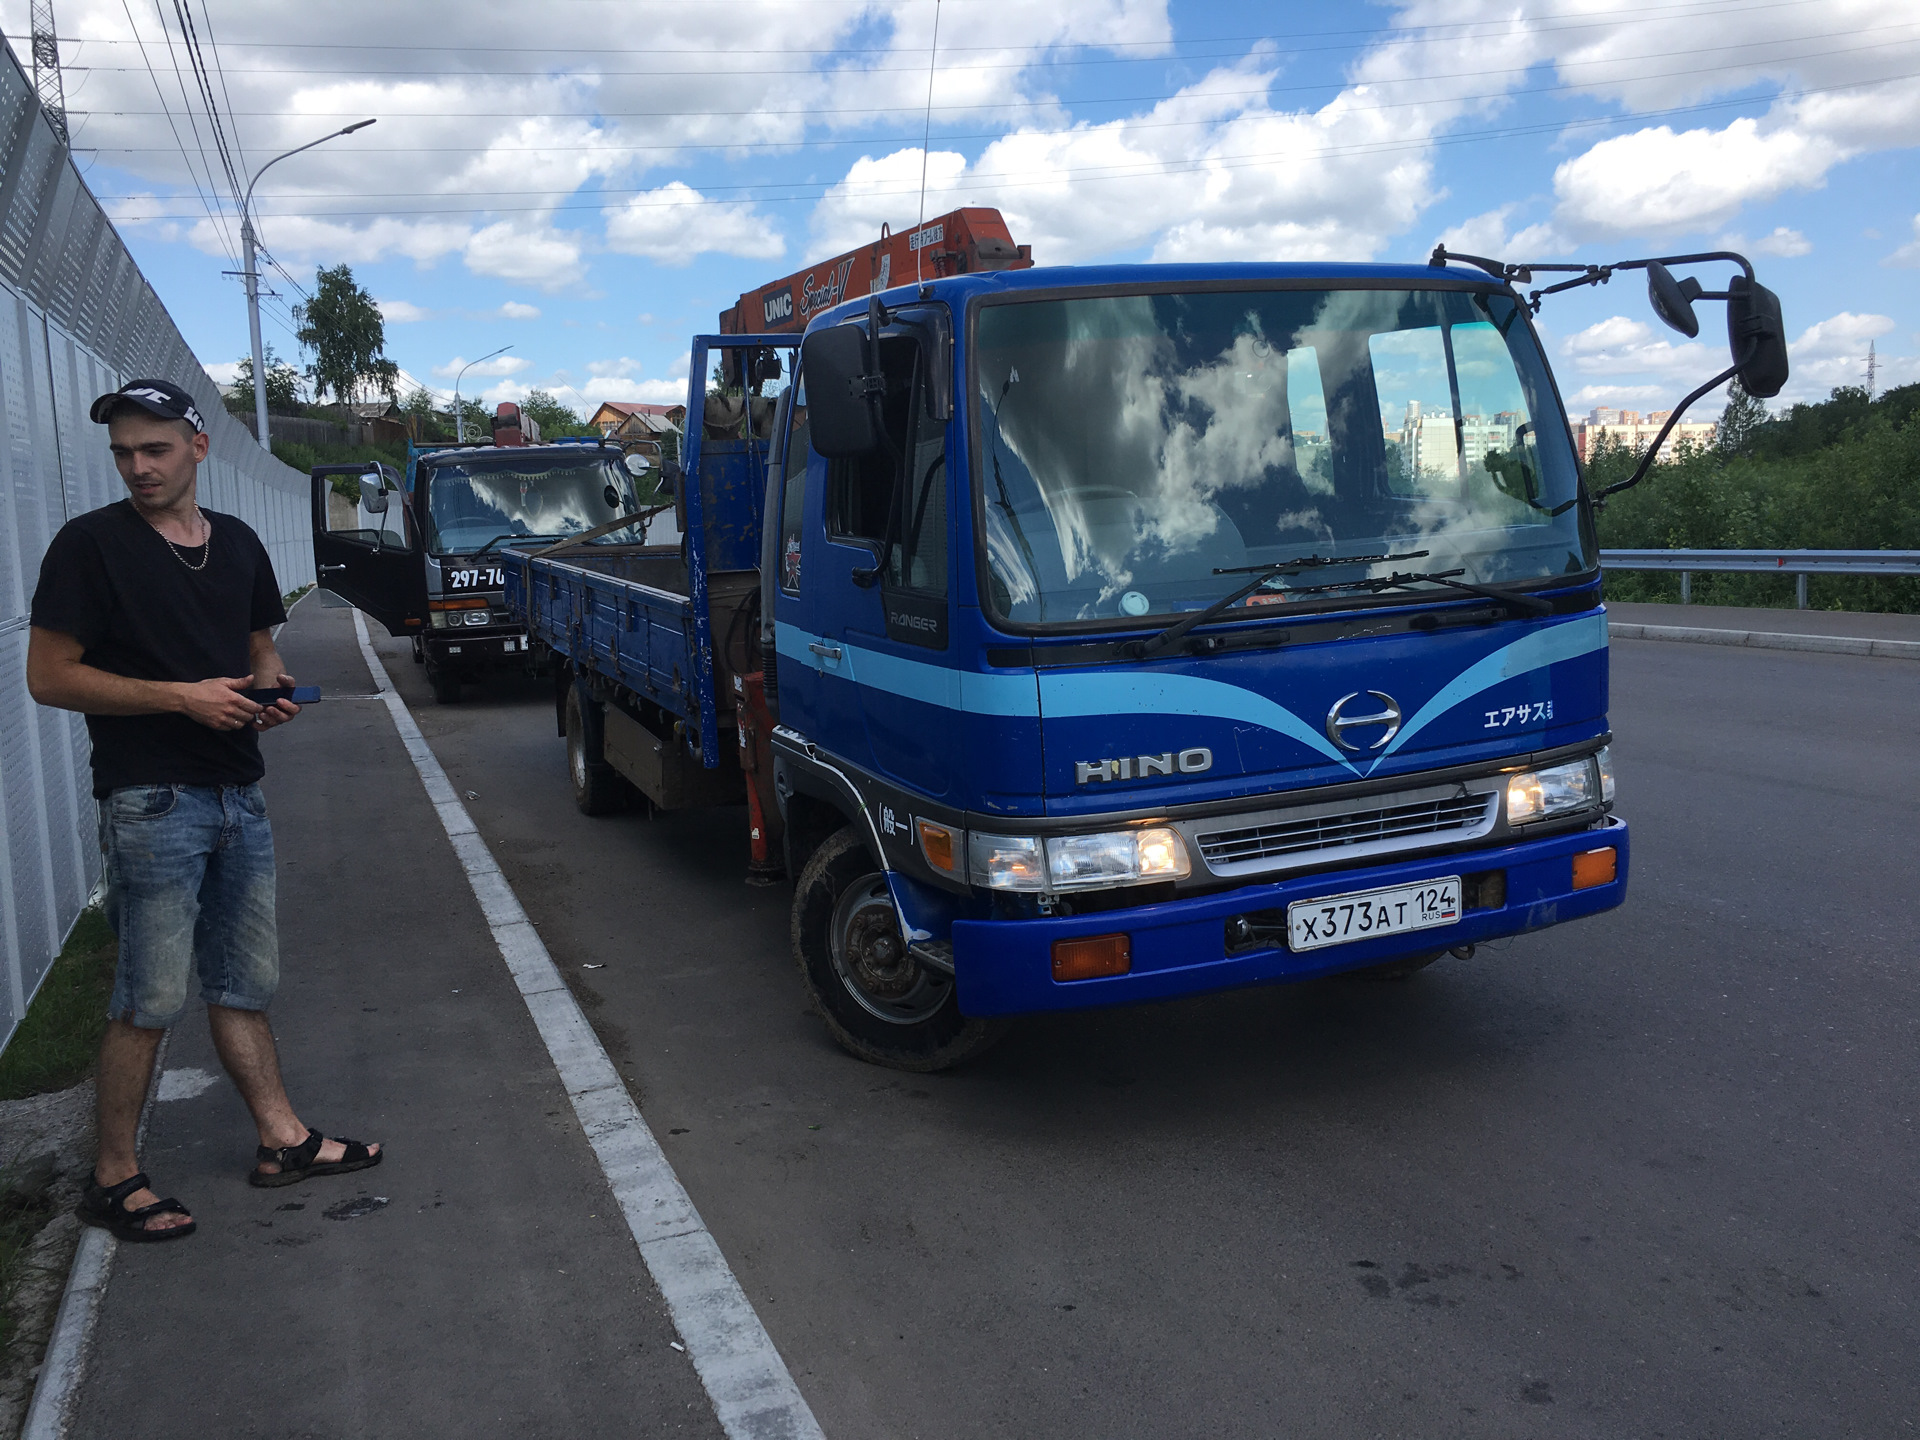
<point x="1589" y="20"/>
<point x="180" y="144"/>
<point x="982" y="184"/>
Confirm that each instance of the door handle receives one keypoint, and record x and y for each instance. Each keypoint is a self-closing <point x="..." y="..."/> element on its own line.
<point x="825" y="652"/>
<point x="326" y="569"/>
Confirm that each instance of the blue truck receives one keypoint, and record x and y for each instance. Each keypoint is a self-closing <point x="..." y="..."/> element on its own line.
<point x="1082" y="636"/>
<point x="419" y="550"/>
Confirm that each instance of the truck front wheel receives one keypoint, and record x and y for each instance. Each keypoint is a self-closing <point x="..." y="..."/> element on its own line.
<point x="597" y="787"/>
<point x="879" y="1003"/>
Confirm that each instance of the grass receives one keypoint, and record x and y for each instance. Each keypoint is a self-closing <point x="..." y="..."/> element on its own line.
<point x="55" y="1046"/>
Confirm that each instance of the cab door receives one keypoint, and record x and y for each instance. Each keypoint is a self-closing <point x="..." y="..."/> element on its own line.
<point x="366" y="549"/>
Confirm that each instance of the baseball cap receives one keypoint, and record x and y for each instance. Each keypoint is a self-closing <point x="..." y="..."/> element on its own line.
<point x="156" y="397"/>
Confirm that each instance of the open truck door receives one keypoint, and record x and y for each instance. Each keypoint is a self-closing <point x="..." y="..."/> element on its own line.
<point x="366" y="548"/>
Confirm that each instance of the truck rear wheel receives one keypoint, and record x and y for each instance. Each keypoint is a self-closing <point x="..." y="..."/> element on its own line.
<point x="879" y="1003"/>
<point x="445" y="683"/>
<point x="597" y="786"/>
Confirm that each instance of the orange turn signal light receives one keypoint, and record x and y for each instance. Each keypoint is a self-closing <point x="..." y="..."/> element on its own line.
<point x="1595" y="867"/>
<point x="1093" y="957"/>
<point x="936" y="843"/>
<point x="470" y="602"/>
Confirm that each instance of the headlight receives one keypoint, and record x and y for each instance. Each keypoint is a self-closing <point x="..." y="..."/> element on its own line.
<point x="439" y="619"/>
<point x="1077" y="862"/>
<point x="1558" y="790"/>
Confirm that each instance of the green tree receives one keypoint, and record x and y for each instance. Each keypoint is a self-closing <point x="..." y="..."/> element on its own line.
<point x="1738" y="422"/>
<point x="342" y="328"/>
<point x="283" y="387"/>
<point x="554" y="418"/>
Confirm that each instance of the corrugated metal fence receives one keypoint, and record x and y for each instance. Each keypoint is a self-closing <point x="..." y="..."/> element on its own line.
<point x="77" y="318"/>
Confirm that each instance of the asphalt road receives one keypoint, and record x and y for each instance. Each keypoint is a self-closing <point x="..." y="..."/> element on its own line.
<point x="1651" y="1174"/>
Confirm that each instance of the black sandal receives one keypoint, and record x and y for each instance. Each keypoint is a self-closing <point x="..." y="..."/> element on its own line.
<point x="106" y="1207"/>
<point x="302" y="1162"/>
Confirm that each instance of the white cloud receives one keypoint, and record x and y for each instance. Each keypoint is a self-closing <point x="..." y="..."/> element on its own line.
<point x="619" y="369"/>
<point x="1486" y="234"/>
<point x="1619" y="345"/>
<point x="1908" y="254"/>
<point x="401" y="312"/>
<point x="1784" y="242"/>
<point x="1844" y="334"/>
<point x="224" y="372"/>
<point x="1834" y="352"/>
<point x="675" y="223"/>
<point x="498" y="365"/>
<point x="516" y="310"/>
<point x="530" y="254"/>
<point x="1617" y="397"/>
<point x="1657" y="182"/>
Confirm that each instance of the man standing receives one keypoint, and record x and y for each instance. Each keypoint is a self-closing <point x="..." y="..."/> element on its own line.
<point x="152" y="617"/>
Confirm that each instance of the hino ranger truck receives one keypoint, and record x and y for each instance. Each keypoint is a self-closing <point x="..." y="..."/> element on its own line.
<point x="1082" y="636"/>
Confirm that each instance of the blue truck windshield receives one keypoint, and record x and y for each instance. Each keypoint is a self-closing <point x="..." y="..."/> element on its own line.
<point x="1130" y="446"/>
<point x="476" y="499"/>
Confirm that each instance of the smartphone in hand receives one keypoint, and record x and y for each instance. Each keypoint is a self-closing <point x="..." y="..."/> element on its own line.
<point x="298" y="694"/>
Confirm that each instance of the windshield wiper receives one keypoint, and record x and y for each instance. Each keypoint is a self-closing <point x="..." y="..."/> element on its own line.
<point x="1174" y="633"/>
<point x="503" y="535"/>
<point x="1514" y="599"/>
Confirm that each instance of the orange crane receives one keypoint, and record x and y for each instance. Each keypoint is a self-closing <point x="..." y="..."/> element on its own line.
<point x="960" y="242"/>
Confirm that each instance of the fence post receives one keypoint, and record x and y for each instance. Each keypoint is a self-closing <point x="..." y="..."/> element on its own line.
<point x="1686" y="587"/>
<point x="1800" y="589"/>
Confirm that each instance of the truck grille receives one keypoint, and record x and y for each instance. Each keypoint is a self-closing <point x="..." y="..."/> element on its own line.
<point x="1382" y="825"/>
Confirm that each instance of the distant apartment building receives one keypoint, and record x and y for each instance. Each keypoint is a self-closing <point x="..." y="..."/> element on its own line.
<point x="1436" y="448"/>
<point x="1635" y="432"/>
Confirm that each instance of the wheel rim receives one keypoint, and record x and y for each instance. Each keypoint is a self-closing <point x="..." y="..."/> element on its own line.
<point x="872" y="961"/>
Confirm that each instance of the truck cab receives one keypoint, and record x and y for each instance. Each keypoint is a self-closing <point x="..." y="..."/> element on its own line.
<point x="431" y="568"/>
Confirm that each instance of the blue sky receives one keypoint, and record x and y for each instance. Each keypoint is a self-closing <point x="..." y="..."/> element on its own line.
<point x="593" y="180"/>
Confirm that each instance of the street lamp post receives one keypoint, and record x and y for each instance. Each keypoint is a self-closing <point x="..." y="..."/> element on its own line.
<point x="459" y="416"/>
<point x="252" y="275"/>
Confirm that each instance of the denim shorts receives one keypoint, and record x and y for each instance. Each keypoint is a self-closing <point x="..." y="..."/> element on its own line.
<point x="189" y="885"/>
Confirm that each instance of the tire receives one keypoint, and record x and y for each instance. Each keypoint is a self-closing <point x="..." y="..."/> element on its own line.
<point x="1396" y="969"/>
<point x="597" y="786"/>
<point x="445" y="683"/>
<point x="419" y="650"/>
<point x="879" y="1004"/>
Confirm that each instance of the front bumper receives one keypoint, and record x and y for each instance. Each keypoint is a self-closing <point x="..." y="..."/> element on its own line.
<point x="1004" y="967"/>
<point x="475" y="646"/>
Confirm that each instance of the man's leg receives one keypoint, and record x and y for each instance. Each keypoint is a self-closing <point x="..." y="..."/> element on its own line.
<point x="245" y="1042"/>
<point x="238" y="945"/>
<point x="120" y="1091"/>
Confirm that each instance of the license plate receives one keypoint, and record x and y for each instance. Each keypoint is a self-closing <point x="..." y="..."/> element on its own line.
<point x="458" y="578"/>
<point x="1365" y="914"/>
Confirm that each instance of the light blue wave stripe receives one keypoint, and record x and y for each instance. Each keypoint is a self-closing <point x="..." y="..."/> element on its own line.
<point x="1157" y="693"/>
<point x="1134" y="692"/>
<point x="1530" y="652"/>
<point x="971" y="691"/>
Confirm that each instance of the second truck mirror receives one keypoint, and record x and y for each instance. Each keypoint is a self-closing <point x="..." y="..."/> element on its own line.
<point x="1754" y="323"/>
<point x="1672" y="299"/>
<point x="839" y="415"/>
<point x="373" y="495"/>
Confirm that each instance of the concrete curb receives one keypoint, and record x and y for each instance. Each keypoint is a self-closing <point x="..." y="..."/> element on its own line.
<point x="1769" y="640"/>
<point x="64" y="1365"/>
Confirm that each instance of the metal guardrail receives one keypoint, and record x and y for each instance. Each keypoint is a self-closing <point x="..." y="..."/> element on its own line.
<point x="1797" y="563"/>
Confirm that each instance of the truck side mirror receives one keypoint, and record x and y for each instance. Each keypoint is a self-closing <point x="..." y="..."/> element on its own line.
<point x="839" y="415"/>
<point x="373" y="495"/>
<point x="1755" y="330"/>
<point x="1672" y="299"/>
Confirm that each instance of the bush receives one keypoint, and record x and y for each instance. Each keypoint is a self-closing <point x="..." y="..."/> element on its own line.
<point x="1841" y="475"/>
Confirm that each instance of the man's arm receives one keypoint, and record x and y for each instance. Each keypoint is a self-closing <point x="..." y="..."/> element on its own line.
<point x="269" y="670"/>
<point x="58" y="677"/>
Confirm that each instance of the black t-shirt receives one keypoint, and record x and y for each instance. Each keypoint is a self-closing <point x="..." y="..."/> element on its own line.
<point x="109" y="581"/>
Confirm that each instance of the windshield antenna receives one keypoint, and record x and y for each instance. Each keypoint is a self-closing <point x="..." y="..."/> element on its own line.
<point x="926" y="139"/>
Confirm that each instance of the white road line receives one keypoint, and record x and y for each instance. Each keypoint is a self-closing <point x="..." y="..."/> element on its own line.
<point x="752" y="1392"/>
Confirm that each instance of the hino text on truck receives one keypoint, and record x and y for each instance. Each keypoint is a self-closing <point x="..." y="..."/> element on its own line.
<point x="1084" y="636"/>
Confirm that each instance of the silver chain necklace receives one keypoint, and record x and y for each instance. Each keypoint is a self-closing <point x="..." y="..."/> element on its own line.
<point x="206" y="545"/>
